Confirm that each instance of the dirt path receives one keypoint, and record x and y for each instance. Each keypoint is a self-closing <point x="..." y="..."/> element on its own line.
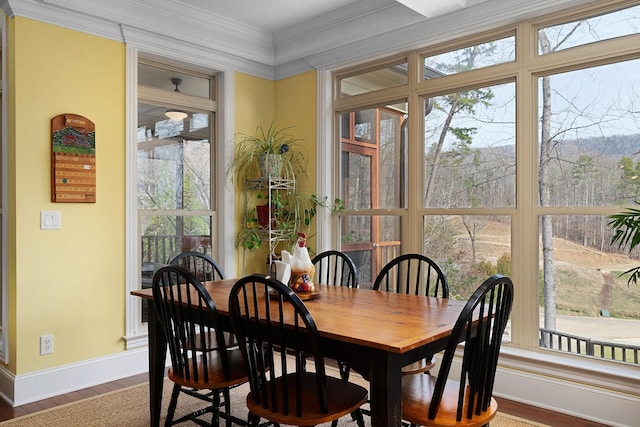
<point x="608" y="283"/>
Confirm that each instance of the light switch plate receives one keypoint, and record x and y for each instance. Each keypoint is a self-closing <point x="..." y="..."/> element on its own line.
<point x="50" y="220"/>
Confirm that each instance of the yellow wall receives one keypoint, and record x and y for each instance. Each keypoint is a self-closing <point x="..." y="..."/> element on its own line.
<point x="68" y="282"/>
<point x="254" y="103"/>
<point x="290" y="102"/>
<point x="71" y="282"/>
<point x="296" y="106"/>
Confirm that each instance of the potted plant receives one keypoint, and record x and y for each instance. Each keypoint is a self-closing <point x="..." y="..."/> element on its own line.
<point x="251" y="218"/>
<point x="292" y="212"/>
<point x="271" y="152"/>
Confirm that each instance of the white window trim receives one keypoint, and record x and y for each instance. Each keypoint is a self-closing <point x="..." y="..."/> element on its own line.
<point x="136" y="334"/>
<point x="4" y="227"/>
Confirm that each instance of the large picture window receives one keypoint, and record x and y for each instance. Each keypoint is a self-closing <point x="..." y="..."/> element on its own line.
<point x="508" y="156"/>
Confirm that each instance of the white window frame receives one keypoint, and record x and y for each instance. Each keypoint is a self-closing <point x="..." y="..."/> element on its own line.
<point x="136" y="333"/>
<point x="4" y="221"/>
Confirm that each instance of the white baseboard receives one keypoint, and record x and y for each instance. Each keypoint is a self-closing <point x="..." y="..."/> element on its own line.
<point x="574" y="394"/>
<point x="22" y="389"/>
<point x="578" y="400"/>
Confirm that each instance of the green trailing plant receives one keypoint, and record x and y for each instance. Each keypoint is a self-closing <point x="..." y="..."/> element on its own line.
<point x="292" y="212"/>
<point x="248" y="238"/>
<point x="249" y="149"/>
<point x="626" y="227"/>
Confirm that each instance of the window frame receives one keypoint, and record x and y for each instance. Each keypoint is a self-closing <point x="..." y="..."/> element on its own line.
<point x="524" y="216"/>
<point x="222" y="200"/>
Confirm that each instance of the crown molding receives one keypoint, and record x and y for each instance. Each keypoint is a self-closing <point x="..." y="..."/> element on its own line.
<point x="359" y="32"/>
<point x="165" y="46"/>
<point x="45" y="12"/>
<point x="166" y="18"/>
<point x="416" y="35"/>
<point x="350" y="25"/>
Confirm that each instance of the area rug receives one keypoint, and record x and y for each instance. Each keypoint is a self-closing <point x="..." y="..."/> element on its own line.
<point x="129" y="407"/>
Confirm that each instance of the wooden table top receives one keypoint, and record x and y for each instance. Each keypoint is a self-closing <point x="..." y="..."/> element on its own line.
<point x="391" y="322"/>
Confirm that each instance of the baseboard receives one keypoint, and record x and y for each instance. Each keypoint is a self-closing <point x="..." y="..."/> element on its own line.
<point x="34" y="386"/>
<point x="578" y="400"/>
<point x="597" y="391"/>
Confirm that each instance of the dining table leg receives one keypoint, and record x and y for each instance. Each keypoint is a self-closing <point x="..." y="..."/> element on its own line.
<point x="385" y="390"/>
<point x="157" y="358"/>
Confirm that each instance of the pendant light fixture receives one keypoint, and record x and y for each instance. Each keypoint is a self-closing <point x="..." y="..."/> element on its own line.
<point x="172" y="113"/>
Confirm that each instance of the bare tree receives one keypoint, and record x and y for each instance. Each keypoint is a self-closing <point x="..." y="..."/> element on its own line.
<point x="544" y="187"/>
<point x="453" y="104"/>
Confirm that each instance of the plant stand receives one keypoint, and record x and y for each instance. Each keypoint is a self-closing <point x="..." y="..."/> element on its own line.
<point x="273" y="189"/>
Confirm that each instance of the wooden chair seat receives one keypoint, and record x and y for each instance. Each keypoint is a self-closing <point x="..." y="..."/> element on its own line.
<point x="236" y="375"/>
<point x="419" y="367"/>
<point x="417" y="391"/>
<point x="210" y="341"/>
<point x="343" y="398"/>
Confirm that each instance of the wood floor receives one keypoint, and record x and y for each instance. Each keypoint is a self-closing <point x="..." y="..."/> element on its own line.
<point x="509" y="407"/>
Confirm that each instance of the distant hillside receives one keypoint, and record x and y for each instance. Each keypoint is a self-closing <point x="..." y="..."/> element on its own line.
<point x="617" y="145"/>
<point x="611" y="146"/>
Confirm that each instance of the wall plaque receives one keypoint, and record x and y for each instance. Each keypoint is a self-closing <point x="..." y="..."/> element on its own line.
<point x="73" y="159"/>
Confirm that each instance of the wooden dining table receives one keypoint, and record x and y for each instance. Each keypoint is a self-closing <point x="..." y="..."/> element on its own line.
<point x="374" y="330"/>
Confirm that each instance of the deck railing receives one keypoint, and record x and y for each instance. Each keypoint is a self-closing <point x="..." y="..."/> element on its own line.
<point x="581" y="345"/>
<point x="159" y="248"/>
<point x="162" y="248"/>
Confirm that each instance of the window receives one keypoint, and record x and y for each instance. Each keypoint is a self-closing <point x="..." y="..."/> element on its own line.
<point x="590" y="30"/>
<point x="469" y="140"/>
<point x="497" y="51"/>
<point x="383" y="77"/>
<point x="176" y="208"/>
<point x="588" y="158"/>
<point x="512" y="170"/>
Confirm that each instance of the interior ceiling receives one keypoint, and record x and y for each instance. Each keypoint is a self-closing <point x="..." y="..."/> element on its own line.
<point x="276" y="15"/>
<point x="271" y="15"/>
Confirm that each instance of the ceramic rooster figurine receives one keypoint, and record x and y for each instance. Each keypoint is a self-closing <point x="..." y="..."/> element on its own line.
<point x="302" y="269"/>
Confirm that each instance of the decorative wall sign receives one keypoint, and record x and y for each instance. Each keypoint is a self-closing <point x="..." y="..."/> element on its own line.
<point x="73" y="159"/>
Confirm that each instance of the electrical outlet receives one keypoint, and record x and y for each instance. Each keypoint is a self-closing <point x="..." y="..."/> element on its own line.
<point x="46" y="344"/>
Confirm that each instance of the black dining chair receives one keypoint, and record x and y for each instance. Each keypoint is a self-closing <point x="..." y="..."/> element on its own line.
<point x="205" y="269"/>
<point x="201" y="265"/>
<point x="276" y="334"/>
<point x="184" y="307"/>
<point x="413" y="274"/>
<point x="336" y="268"/>
<point x="467" y="400"/>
